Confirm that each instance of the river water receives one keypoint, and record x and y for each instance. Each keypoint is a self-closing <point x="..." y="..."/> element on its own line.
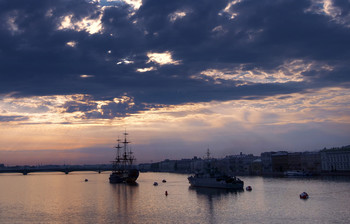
<point x="60" y="198"/>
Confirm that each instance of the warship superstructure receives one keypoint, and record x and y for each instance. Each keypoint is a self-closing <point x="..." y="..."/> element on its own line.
<point x="211" y="178"/>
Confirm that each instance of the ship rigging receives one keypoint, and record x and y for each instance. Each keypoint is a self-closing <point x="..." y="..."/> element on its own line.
<point x="123" y="169"/>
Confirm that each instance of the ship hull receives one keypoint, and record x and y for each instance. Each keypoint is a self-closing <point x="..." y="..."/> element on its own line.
<point x="115" y="178"/>
<point x="214" y="183"/>
<point x="124" y="176"/>
<point x="133" y="174"/>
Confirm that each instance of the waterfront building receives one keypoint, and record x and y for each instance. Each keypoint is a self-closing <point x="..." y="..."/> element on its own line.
<point x="279" y="162"/>
<point x="183" y="165"/>
<point x="336" y="159"/>
<point x="294" y="161"/>
<point x="266" y="162"/>
<point x="257" y="167"/>
<point x="167" y="165"/>
<point x="145" y="167"/>
<point x="311" y="162"/>
<point x="196" y="165"/>
<point x="289" y="161"/>
<point x="240" y="164"/>
<point x="270" y="163"/>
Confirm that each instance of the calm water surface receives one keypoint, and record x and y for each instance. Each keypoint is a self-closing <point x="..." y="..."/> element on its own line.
<point x="60" y="198"/>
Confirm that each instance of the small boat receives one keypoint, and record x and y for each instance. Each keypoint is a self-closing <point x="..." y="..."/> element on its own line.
<point x="295" y="173"/>
<point x="164" y="181"/>
<point x="304" y="195"/>
<point x="155" y="184"/>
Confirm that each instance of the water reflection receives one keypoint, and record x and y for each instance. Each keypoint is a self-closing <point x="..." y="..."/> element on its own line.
<point x="123" y="198"/>
<point x="335" y="178"/>
<point x="212" y="198"/>
<point x="68" y="199"/>
<point x="214" y="192"/>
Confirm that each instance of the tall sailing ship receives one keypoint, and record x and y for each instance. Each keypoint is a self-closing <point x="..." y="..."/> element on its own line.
<point x="123" y="169"/>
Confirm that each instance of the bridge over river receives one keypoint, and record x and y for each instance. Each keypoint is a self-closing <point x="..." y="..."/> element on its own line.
<point x="64" y="169"/>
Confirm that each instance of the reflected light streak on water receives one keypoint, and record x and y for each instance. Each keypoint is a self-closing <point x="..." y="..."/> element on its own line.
<point x="60" y="198"/>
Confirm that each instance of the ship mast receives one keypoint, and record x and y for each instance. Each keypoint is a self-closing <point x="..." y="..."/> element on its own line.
<point x="118" y="147"/>
<point x="124" y="155"/>
<point x="127" y="157"/>
<point x="125" y="151"/>
<point x="116" y="162"/>
<point x="208" y="154"/>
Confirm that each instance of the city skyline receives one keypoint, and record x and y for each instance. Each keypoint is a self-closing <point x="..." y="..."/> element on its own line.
<point x="178" y="76"/>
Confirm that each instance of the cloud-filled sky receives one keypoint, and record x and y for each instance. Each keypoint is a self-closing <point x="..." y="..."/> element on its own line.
<point x="181" y="76"/>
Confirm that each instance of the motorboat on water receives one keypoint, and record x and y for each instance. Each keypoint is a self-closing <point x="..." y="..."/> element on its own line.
<point x="304" y="195"/>
<point x="296" y="173"/>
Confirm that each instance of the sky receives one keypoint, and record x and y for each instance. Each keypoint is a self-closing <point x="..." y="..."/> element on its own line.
<point x="179" y="76"/>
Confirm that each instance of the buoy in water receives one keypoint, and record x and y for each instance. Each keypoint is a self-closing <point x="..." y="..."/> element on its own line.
<point x="166" y="193"/>
<point x="304" y="195"/>
<point x="86" y="180"/>
<point x="248" y="188"/>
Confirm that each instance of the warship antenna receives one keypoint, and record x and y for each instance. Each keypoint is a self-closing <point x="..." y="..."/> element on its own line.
<point x="208" y="153"/>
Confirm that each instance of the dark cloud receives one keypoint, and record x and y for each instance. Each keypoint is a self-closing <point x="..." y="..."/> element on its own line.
<point x="114" y="109"/>
<point x="119" y="107"/>
<point x="13" y="118"/>
<point x="263" y="35"/>
<point x="73" y="106"/>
